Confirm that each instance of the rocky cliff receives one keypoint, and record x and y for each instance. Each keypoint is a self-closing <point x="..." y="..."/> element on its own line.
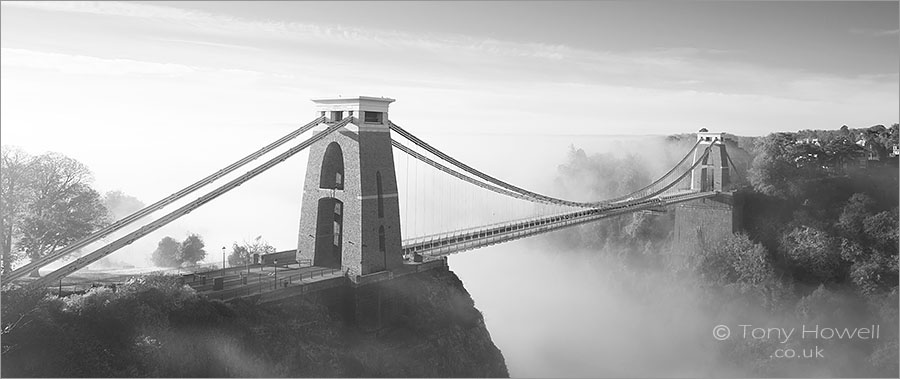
<point x="154" y="327"/>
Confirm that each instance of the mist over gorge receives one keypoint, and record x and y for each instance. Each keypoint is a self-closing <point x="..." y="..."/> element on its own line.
<point x="614" y="298"/>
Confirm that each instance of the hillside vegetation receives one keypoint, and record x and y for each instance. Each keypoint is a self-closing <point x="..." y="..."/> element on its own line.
<point x="154" y="327"/>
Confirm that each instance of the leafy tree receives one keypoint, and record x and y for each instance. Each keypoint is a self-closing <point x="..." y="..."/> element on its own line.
<point x="63" y="207"/>
<point x="167" y="253"/>
<point x="874" y="252"/>
<point x="243" y="253"/>
<point x="815" y="255"/>
<point x="192" y="250"/>
<point x="736" y="260"/>
<point x="239" y="255"/>
<point x="874" y="273"/>
<point x="774" y="170"/>
<point x="170" y="253"/>
<point x="16" y="182"/>
<point x="881" y="229"/>
<point x="858" y="207"/>
<point x="121" y="205"/>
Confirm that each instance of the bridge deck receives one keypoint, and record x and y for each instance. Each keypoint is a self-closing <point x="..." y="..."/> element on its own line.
<point x="456" y="241"/>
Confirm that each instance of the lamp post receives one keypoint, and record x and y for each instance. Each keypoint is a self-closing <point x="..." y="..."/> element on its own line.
<point x="276" y="273"/>
<point x="223" y="258"/>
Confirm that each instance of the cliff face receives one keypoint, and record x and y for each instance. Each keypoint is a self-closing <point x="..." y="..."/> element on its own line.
<point x="149" y="329"/>
<point x="433" y="330"/>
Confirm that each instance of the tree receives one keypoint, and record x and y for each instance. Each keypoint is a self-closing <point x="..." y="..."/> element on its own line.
<point x="736" y="260"/>
<point x="773" y="171"/>
<point x="243" y="253"/>
<point x="170" y="253"/>
<point x="784" y="167"/>
<point x="121" y="205"/>
<point x="874" y="273"/>
<point x="840" y="151"/>
<point x="239" y="255"/>
<point x="858" y="207"/>
<point x="62" y="207"/>
<point x="880" y="140"/>
<point x="882" y="231"/>
<point x="167" y="253"/>
<point x="16" y="181"/>
<point x="192" y="250"/>
<point x="815" y="255"/>
<point x="737" y="263"/>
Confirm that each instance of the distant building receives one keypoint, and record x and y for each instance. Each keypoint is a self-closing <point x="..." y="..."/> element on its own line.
<point x="809" y="141"/>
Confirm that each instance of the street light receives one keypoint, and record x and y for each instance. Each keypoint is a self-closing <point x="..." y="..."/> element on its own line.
<point x="223" y="258"/>
<point x="276" y="273"/>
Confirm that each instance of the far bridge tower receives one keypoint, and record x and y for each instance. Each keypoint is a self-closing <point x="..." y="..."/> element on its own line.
<point x="712" y="174"/>
<point x="707" y="221"/>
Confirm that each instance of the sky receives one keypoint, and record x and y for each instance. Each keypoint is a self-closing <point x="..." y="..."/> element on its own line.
<point x="155" y="95"/>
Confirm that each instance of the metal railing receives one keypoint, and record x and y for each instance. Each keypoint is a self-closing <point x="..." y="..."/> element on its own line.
<point x="262" y="282"/>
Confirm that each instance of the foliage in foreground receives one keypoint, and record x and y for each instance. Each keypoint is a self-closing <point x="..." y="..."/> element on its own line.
<point x="152" y="326"/>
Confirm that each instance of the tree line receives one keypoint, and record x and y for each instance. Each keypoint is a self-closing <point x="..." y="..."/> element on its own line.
<point x="171" y="253"/>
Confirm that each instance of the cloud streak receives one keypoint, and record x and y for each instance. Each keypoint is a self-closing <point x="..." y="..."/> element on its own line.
<point x="876" y="32"/>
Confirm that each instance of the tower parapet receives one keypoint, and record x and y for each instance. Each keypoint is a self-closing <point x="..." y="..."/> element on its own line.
<point x="369" y="110"/>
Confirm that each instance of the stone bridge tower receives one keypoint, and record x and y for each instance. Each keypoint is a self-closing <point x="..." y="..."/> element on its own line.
<point x="704" y="222"/>
<point x="350" y="217"/>
<point x="713" y="173"/>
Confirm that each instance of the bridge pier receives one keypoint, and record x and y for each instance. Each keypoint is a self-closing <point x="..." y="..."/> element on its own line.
<point x="707" y="221"/>
<point x="372" y="303"/>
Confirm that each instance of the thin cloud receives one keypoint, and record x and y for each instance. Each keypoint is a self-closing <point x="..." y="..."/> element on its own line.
<point x="876" y="32"/>
<point x="88" y="65"/>
<point x="207" y="43"/>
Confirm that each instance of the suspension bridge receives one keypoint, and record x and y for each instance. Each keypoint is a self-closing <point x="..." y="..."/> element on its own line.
<point x="359" y="224"/>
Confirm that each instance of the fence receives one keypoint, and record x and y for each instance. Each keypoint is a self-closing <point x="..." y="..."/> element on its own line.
<point x="260" y="282"/>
